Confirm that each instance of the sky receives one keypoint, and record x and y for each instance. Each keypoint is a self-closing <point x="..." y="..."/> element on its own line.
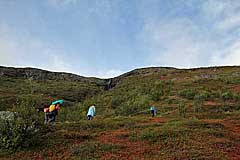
<point x="105" y="38"/>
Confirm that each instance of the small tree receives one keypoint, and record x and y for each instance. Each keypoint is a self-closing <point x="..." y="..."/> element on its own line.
<point x="159" y="89"/>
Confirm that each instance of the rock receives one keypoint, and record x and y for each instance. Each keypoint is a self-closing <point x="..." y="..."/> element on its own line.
<point x="7" y="115"/>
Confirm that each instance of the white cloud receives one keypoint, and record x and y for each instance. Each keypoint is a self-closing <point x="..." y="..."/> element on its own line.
<point x="175" y="43"/>
<point x="229" y="56"/>
<point x="29" y="51"/>
<point x="226" y="27"/>
<point x="210" y="38"/>
<point x="10" y="51"/>
<point x="224" y="14"/>
<point x="109" y="73"/>
<point x="212" y="8"/>
<point x="230" y="22"/>
<point x="32" y="52"/>
<point x="61" y="3"/>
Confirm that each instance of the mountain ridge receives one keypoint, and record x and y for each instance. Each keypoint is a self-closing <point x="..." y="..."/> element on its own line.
<point x="30" y="72"/>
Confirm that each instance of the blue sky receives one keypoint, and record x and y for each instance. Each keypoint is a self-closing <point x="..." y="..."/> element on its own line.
<point x="105" y="38"/>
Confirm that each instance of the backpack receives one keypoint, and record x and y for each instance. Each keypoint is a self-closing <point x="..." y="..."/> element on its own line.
<point x="52" y="108"/>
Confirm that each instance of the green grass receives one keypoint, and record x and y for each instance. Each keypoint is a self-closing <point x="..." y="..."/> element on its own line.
<point x="93" y="150"/>
<point x="126" y="108"/>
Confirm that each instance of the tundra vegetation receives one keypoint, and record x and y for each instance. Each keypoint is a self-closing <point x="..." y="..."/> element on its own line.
<point x="198" y="116"/>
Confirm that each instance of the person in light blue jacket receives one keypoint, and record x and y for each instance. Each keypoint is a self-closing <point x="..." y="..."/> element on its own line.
<point x="153" y="111"/>
<point x="91" y="112"/>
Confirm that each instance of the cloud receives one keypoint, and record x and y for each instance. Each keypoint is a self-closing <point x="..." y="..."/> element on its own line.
<point x="10" y="51"/>
<point x="163" y="33"/>
<point x="61" y="3"/>
<point x="109" y="73"/>
<point x="226" y="26"/>
<point x="224" y="14"/>
<point x="29" y="51"/>
<point x="174" y="43"/>
<point x="230" y="22"/>
<point x="210" y="37"/>
<point x="214" y="8"/>
<point x="229" y="56"/>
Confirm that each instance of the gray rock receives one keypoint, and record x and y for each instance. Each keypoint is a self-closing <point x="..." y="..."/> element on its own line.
<point x="7" y="115"/>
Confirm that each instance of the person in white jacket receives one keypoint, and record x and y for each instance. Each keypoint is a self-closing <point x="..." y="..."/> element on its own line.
<point x="153" y="111"/>
<point x="91" y="112"/>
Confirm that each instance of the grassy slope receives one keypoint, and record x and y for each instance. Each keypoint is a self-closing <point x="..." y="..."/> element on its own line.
<point x="13" y="88"/>
<point x="212" y="133"/>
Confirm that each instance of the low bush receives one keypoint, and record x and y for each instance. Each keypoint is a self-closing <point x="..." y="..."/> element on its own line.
<point x="229" y="80"/>
<point x="187" y="93"/>
<point x="134" y="106"/>
<point x="23" y="128"/>
<point x="170" y="101"/>
<point x="237" y="97"/>
<point x="160" y="89"/>
<point x="169" y="132"/>
<point x="116" y="101"/>
<point x="227" y="96"/>
<point x="206" y="95"/>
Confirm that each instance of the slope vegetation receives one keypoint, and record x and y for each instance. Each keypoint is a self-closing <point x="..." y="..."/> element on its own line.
<point x="198" y="114"/>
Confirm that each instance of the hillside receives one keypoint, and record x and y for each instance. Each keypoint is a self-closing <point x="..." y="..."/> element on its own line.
<point x="17" y="82"/>
<point x="198" y="113"/>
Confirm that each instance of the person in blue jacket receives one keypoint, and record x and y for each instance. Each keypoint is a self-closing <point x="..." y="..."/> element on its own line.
<point x="91" y="112"/>
<point x="153" y="111"/>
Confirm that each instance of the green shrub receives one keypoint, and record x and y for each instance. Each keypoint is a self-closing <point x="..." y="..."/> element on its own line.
<point x="170" y="101"/>
<point x="187" y="93"/>
<point x="227" y="96"/>
<point x="167" y="133"/>
<point x="229" y="80"/>
<point x="211" y="94"/>
<point x="116" y="101"/>
<point x="21" y="131"/>
<point x="237" y="97"/>
<point x="206" y="95"/>
<point x="74" y="113"/>
<point x="160" y="89"/>
<point x="134" y="106"/>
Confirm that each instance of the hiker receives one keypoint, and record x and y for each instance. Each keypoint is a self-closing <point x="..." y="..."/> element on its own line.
<point x="51" y="112"/>
<point x="46" y="112"/>
<point x="153" y="111"/>
<point x="91" y="112"/>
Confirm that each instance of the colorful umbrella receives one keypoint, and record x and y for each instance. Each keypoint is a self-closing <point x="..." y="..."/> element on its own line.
<point x="58" y="101"/>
